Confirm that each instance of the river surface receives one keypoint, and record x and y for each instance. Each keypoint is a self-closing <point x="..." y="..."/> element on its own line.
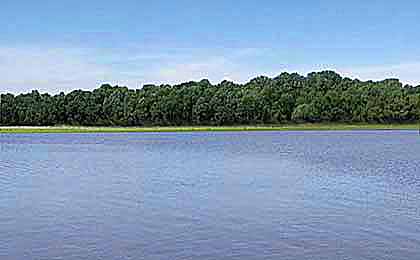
<point x="244" y="195"/>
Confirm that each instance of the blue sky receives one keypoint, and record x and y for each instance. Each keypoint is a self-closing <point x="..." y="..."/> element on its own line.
<point x="63" y="45"/>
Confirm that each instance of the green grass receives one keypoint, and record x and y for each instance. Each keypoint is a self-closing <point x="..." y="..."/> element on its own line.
<point x="287" y="127"/>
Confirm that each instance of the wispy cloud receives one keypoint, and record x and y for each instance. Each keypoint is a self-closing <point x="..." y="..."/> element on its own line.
<point x="63" y="69"/>
<point x="216" y="69"/>
<point x="408" y="73"/>
<point x="47" y="69"/>
<point x="237" y="65"/>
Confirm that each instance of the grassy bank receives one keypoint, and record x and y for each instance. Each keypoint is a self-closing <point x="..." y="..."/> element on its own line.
<point x="289" y="127"/>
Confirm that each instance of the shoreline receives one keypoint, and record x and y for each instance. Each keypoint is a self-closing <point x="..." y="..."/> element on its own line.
<point x="286" y="127"/>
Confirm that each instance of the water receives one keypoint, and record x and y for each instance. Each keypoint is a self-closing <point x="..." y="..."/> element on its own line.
<point x="271" y="195"/>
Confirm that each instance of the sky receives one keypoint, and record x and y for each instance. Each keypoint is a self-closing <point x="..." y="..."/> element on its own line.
<point x="64" y="45"/>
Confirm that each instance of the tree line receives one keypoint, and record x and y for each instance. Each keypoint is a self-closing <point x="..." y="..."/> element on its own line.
<point x="290" y="97"/>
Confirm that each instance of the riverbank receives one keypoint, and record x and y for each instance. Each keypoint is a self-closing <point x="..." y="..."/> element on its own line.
<point x="288" y="127"/>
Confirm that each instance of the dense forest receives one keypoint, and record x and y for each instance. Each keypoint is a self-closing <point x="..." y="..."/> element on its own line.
<point x="318" y="97"/>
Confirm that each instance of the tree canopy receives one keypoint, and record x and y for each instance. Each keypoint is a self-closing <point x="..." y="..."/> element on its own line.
<point x="318" y="97"/>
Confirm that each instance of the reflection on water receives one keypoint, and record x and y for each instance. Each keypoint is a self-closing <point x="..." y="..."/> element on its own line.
<point x="272" y="195"/>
